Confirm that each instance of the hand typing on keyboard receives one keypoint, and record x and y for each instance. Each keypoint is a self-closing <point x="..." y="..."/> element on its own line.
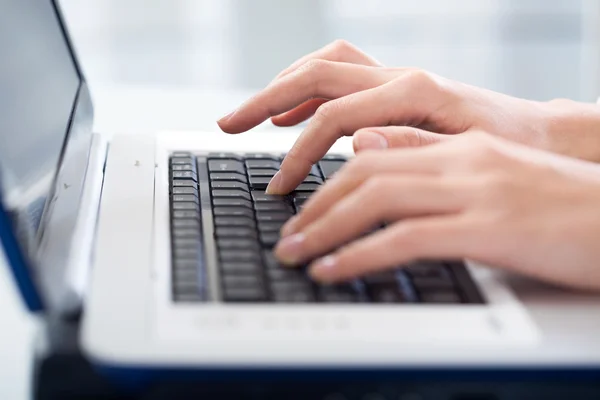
<point x="476" y="197"/>
<point x="347" y="90"/>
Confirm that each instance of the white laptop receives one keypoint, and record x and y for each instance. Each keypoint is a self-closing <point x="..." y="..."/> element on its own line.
<point x="162" y="244"/>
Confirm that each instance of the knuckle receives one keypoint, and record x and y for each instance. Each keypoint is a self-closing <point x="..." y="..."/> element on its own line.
<point x="313" y="73"/>
<point x="419" y="79"/>
<point x="483" y="151"/>
<point x="327" y="111"/>
<point x="313" y="67"/>
<point x="341" y="46"/>
<point x="413" y="138"/>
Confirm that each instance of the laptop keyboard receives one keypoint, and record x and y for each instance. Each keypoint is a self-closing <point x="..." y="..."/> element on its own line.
<point x="225" y="193"/>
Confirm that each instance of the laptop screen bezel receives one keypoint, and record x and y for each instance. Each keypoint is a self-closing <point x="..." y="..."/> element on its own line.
<point x="41" y="277"/>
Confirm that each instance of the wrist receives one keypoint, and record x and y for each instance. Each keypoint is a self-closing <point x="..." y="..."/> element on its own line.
<point x="574" y="129"/>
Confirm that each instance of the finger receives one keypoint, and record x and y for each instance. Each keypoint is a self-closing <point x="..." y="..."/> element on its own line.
<point x="340" y="51"/>
<point x="381" y="199"/>
<point x="298" y="114"/>
<point x="394" y="136"/>
<point x="424" y="161"/>
<point x="319" y="79"/>
<point x="407" y="100"/>
<point x="440" y="237"/>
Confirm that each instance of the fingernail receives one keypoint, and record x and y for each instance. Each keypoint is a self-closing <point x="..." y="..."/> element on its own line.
<point x="371" y="140"/>
<point x="225" y="118"/>
<point x="274" y="187"/>
<point x="289" y="249"/>
<point x="322" y="268"/>
<point x="290" y="227"/>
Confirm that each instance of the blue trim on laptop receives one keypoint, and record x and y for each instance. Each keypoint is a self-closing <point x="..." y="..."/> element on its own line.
<point x="21" y="271"/>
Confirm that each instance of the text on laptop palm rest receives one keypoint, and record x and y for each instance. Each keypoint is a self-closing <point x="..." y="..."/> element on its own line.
<point x="246" y="224"/>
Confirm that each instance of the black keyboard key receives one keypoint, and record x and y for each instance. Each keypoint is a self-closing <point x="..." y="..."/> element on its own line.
<point x="269" y="239"/>
<point x="186" y="274"/>
<point x="237" y="294"/>
<point x="228" y="176"/>
<point x="232" y="202"/>
<point x="315" y="171"/>
<point x="185" y="190"/>
<point x="433" y="269"/>
<point x="186" y="214"/>
<point x="273" y="206"/>
<point x="183" y="242"/>
<point x="260" y="195"/>
<point x="186" y="232"/>
<point x="307" y="187"/>
<point x="181" y="160"/>
<point x="272" y="216"/>
<point x="185" y="206"/>
<point x="262" y="164"/>
<point x="238" y="255"/>
<point x="270" y="260"/>
<point x="241" y="268"/>
<point x="242" y="244"/>
<point x="185" y="197"/>
<point x="235" y="222"/>
<point x="263" y="172"/>
<point x="190" y="175"/>
<point x="183" y="167"/>
<point x="381" y="278"/>
<point x="330" y="167"/>
<point x="299" y="203"/>
<point x="270" y="226"/>
<point x="261" y="156"/>
<point x="337" y="157"/>
<point x="229" y="185"/>
<point x="313" y="179"/>
<point x="259" y="183"/>
<point x="218" y="193"/>
<point x="302" y="195"/>
<point x="188" y="297"/>
<point x="228" y="232"/>
<point x="233" y="212"/>
<point x="343" y="293"/>
<point x="428" y="283"/>
<point x="242" y="281"/>
<point x="186" y="265"/>
<point x="440" y="297"/>
<point x="186" y="223"/>
<point x="231" y="156"/>
<point x="184" y="183"/>
<point x="187" y="253"/>
<point x="386" y="293"/>
<point x="226" y="166"/>
<point x="288" y="274"/>
<point x="181" y="154"/>
<point x="292" y="292"/>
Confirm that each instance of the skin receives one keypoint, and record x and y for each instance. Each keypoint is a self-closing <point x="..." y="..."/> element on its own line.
<point x="475" y="197"/>
<point x="438" y="193"/>
<point x="347" y="90"/>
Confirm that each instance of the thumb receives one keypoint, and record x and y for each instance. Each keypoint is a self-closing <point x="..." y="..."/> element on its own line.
<point x="394" y="136"/>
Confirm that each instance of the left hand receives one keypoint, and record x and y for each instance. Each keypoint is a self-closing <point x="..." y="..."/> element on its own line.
<point x="471" y="197"/>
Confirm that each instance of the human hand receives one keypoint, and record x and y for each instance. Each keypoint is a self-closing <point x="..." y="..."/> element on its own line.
<point x="346" y="90"/>
<point x="473" y="197"/>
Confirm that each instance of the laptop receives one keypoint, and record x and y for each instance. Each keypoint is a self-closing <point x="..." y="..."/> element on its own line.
<point x="161" y="246"/>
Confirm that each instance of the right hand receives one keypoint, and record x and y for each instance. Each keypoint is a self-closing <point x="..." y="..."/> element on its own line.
<point x="350" y="93"/>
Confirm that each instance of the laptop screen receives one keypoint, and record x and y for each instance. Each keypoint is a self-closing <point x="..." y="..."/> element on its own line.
<point x="39" y="83"/>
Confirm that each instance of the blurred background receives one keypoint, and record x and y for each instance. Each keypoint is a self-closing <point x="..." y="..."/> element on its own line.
<point x="538" y="49"/>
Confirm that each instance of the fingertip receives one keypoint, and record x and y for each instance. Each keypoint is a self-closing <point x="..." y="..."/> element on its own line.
<point x="324" y="269"/>
<point x="365" y="139"/>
